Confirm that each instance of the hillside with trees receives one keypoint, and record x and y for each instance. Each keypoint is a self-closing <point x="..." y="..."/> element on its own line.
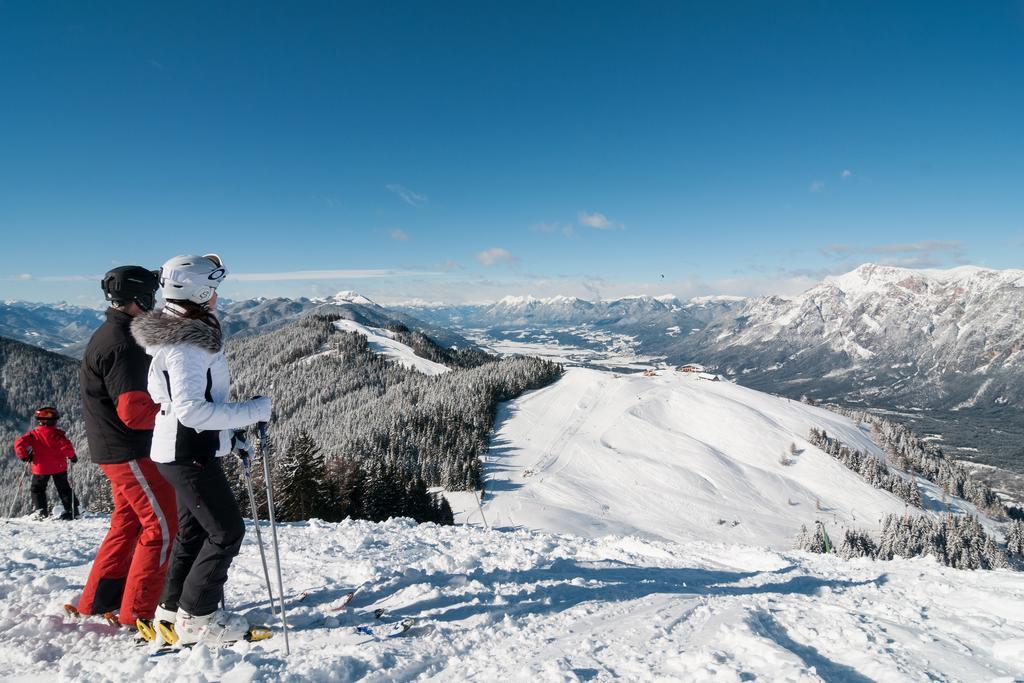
<point x="376" y="435"/>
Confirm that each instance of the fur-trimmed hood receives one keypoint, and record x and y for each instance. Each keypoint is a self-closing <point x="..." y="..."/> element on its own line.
<point x="160" y="329"/>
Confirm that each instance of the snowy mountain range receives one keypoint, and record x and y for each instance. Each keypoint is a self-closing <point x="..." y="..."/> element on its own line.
<point x="54" y="327"/>
<point x="262" y="315"/>
<point x="918" y="338"/>
<point x="941" y="347"/>
<point x="66" y="328"/>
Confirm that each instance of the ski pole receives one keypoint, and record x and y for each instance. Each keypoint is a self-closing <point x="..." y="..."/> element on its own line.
<point x="244" y="457"/>
<point x="265" y="452"/>
<point x="17" y="494"/>
<point x="71" y="485"/>
<point x="479" y="506"/>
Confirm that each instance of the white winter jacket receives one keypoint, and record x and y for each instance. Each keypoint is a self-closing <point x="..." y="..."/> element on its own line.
<point x="189" y="378"/>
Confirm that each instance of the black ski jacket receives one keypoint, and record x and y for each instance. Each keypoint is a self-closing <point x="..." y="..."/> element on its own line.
<point x="118" y="411"/>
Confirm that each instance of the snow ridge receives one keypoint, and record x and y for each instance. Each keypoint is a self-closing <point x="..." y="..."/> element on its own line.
<point x="676" y="457"/>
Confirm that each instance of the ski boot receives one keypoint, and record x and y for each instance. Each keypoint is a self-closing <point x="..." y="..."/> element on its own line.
<point x="218" y="628"/>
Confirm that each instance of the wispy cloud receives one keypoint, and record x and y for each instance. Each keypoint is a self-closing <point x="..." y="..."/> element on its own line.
<point x="399" y="235"/>
<point x="596" y="220"/>
<point x="955" y="247"/>
<point x="449" y="266"/>
<point x="564" y="228"/>
<point x="817" y="185"/>
<point x="494" y="256"/>
<point x="338" y="274"/>
<point x="924" y="254"/>
<point x="332" y="202"/>
<point x="406" y="195"/>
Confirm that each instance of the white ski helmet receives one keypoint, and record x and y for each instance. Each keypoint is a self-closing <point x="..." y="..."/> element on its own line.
<point x="192" y="277"/>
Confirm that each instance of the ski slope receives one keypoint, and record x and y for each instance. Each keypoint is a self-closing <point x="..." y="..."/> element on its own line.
<point x="674" y="457"/>
<point x="530" y="606"/>
<point x="381" y="342"/>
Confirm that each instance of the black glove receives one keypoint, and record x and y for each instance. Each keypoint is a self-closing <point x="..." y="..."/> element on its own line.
<point x="29" y="458"/>
<point x="73" y="459"/>
<point x="239" y="445"/>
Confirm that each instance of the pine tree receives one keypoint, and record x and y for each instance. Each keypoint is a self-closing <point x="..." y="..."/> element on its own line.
<point x="857" y="544"/>
<point x="349" y="480"/>
<point x="817" y="542"/>
<point x="381" y="498"/>
<point x="1015" y="538"/>
<point x="443" y="511"/>
<point x="417" y="502"/>
<point x="301" y="484"/>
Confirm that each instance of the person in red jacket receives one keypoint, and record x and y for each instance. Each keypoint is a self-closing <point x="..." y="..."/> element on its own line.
<point x="49" y="450"/>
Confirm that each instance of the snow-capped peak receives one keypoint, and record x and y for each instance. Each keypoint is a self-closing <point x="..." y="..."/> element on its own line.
<point x="518" y="300"/>
<point x="350" y="297"/>
<point x="870" y="278"/>
<point x="716" y="298"/>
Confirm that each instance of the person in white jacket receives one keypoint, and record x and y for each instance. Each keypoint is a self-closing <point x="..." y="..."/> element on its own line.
<point x="189" y="379"/>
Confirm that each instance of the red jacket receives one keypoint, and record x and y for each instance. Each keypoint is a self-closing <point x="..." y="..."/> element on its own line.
<point x="49" y="448"/>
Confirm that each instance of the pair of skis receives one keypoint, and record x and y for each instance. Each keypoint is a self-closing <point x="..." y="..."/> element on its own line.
<point x="393" y="630"/>
<point x="379" y="631"/>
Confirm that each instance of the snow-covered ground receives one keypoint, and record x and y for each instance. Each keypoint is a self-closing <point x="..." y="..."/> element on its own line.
<point x="640" y="530"/>
<point x="381" y="341"/>
<point x="675" y="457"/>
<point x="529" y="606"/>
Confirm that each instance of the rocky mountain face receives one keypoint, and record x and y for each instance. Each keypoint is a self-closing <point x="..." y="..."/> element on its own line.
<point x="913" y="339"/>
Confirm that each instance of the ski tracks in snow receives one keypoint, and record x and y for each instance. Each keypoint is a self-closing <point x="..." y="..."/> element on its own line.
<point x="581" y="413"/>
<point x="529" y="606"/>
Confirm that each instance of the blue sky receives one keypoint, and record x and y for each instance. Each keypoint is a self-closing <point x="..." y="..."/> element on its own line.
<point x="463" y="151"/>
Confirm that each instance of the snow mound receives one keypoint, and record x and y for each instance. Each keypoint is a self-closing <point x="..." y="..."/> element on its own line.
<point x="675" y="457"/>
<point x="528" y="606"/>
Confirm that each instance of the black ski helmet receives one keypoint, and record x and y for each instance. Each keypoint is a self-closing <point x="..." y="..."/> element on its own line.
<point x="126" y="284"/>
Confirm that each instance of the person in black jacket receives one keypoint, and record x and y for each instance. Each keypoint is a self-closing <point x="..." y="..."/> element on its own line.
<point x="128" y="572"/>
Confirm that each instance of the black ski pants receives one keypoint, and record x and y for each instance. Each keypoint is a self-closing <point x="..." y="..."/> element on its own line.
<point x="210" y="532"/>
<point x="60" y="481"/>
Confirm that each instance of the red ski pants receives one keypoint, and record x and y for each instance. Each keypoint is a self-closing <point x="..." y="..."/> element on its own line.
<point x="128" y="572"/>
